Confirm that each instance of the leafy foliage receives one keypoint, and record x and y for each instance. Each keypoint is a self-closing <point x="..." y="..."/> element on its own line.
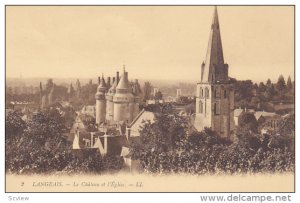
<point x="14" y="125"/>
<point x="262" y="96"/>
<point x="160" y="150"/>
<point x="39" y="146"/>
<point x="247" y="122"/>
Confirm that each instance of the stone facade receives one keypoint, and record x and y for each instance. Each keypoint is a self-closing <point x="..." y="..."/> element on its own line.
<point x="215" y="96"/>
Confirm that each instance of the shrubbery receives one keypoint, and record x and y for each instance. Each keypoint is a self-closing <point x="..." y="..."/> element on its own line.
<point x="160" y="150"/>
<point x="39" y="146"/>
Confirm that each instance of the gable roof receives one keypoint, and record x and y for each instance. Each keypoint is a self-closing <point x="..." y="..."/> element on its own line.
<point x="259" y="114"/>
<point x="238" y="112"/>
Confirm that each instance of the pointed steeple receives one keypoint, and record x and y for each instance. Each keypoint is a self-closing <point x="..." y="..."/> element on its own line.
<point x="214" y="70"/>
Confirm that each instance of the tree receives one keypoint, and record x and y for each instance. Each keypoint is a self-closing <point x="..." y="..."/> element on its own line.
<point x="14" y="125"/>
<point x="261" y="87"/>
<point x="247" y="123"/>
<point x="280" y="86"/>
<point x="41" y="148"/>
<point x="162" y="135"/>
<point x="289" y="85"/>
<point x="158" y="95"/>
<point x="270" y="92"/>
<point x="269" y="83"/>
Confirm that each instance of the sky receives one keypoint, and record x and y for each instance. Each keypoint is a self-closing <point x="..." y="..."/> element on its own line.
<point x="154" y="42"/>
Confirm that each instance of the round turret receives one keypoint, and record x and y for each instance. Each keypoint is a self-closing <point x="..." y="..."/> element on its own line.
<point x="51" y="96"/>
<point x="100" y="102"/>
<point x="109" y="101"/>
<point x="101" y="89"/>
<point x="45" y="101"/>
<point x="123" y="100"/>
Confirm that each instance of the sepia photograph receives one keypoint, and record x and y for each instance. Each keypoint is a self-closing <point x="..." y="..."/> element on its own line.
<point x="184" y="98"/>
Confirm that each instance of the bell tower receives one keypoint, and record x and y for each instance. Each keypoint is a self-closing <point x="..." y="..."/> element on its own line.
<point x="214" y="96"/>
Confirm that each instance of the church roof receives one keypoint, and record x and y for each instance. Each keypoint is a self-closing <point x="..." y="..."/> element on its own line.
<point x="214" y="55"/>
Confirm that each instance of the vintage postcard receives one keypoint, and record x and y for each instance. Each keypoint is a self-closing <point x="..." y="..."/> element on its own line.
<point x="149" y="98"/>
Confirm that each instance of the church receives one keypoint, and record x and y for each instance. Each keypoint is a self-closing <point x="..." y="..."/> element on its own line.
<point x="215" y="95"/>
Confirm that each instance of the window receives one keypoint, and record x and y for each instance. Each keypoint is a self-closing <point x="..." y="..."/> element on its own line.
<point x="206" y="92"/>
<point x="201" y="92"/>
<point x="200" y="107"/>
<point x="215" y="108"/>
<point x="216" y="93"/>
<point x="225" y="94"/>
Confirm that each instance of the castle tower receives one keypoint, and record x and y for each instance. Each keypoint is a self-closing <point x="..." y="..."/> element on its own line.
<point x="108" y="85"/>
<point x="71" y="91"/>
<point x="44" y="97"/>
<point x="123" y="100"/>
<point x="100" y="102"/>
<point x="214" y="96"/>
<point x="78" y="88"/>
<point x="109" y="100"/>
<point x="51" y="95"/>
<point x="45" y="101"/>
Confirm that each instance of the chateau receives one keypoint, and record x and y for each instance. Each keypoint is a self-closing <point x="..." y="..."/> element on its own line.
<point x="214" y="96"/>
<point x="118" y="102"/>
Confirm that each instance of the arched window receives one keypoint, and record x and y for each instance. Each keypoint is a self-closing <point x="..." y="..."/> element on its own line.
<point x="200" y="107"/>
<point x="202" y="92"/>
<point x="207" y="92"/>
<point x="225" y="94"/>
<point x="216" y="93"/>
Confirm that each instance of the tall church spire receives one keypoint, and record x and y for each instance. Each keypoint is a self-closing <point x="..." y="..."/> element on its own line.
<point x="214" y="69"/>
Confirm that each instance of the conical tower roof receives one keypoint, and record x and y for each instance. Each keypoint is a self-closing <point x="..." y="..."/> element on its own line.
<point x="124" y="83"/>
<point x="102" y="86"/>
<point x="214" y="62"/>
<point x="112" y="89"/>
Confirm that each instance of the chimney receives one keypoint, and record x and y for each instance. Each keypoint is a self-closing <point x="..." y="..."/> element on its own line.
<point x="92" y="139"/>
<point x="113" y="80"/>
<point x="118" y="77"/>
<point x="99" y="80"/>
